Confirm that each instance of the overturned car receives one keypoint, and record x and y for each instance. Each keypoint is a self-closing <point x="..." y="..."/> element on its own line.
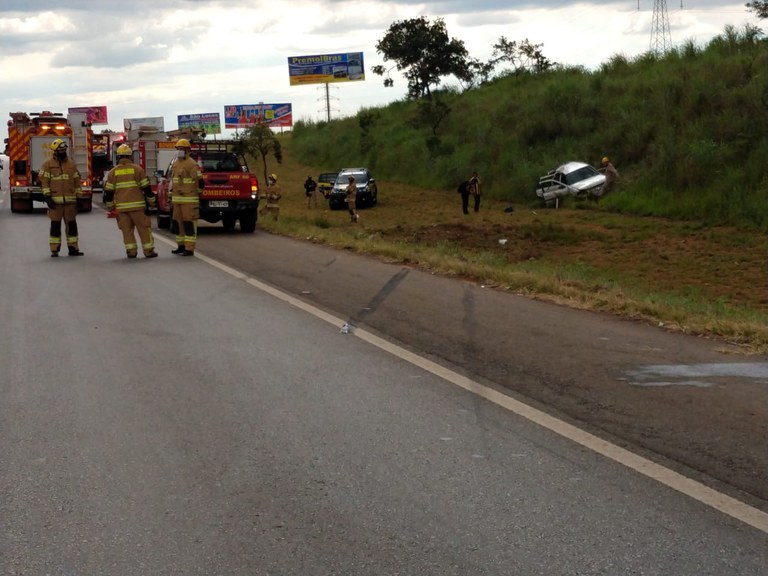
<point x="572" y="179"/>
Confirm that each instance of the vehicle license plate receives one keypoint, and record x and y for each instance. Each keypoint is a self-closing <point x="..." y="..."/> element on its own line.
<point x="218" y="204"/>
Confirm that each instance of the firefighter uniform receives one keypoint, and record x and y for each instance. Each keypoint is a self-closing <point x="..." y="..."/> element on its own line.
<point x="271" y="197"/>
<point x="60" y="181"/>
<point x="127" y="191"/>
<point x="186" y="185"/>
<point x="351" y="199"/>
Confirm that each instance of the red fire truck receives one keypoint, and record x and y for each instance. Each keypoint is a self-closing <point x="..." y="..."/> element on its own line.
<point x="29" y="145"/>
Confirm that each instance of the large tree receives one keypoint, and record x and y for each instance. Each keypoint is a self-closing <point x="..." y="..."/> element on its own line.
<point x="523" y="56"/>
<point x="424" y="52"/>
<point x="759" y="7"/>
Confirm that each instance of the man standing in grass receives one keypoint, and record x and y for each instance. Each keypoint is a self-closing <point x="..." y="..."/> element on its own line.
<point x="611" y="175"/>
<point x="469" y="188"/>
<point x="352" y="199"/>
<point x="309" y="189"/>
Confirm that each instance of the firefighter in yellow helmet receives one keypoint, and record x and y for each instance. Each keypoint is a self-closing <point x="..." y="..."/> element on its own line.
<point x="60" y="181"/>
<point x="127" y="191"/>
<point x="611" y="175"/>
<point x="271" y="196"/>
<point x="186" y="184"/>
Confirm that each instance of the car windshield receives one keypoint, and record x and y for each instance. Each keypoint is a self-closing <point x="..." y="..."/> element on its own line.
<point x="580" y="174"/>
<point x="218" y="161"/>
<point x="343" y="179"/>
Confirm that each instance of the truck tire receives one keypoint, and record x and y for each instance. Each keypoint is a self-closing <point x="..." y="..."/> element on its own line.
<point x="228" y="221"/>
<point x="85" y="206"/>
<point x="248" y="221"/>
<point x="163" y="221"/>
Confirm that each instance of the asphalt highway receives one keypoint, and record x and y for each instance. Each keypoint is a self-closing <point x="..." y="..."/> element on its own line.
<point x="207" y="415"/>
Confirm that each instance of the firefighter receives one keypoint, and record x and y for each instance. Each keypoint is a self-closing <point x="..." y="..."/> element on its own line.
<point x="60" y="181"/>
<point x="351" y="199"/>
<point x="272" y="197"/>
<point x="186" y="184"/>
<point x="128" y="193"/>
<point x="611" y="175"/>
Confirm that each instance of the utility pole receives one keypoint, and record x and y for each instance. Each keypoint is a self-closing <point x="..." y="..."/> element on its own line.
<point x="327" y="99"/>
<point x="661" y="39"/>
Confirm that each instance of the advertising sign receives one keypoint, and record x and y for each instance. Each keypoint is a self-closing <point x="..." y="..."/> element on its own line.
<point x="93" y="114"/>
<point x="209" y="123"/>
<point x="325" y="68"/>
<point x="156" y="122"/>
<point x="244" y="115"/>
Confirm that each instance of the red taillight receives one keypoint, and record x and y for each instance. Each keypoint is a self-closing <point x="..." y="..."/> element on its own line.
<point x="254" y="184"/>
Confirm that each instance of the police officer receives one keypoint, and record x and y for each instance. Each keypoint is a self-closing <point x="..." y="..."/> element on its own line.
<point x="60" y="181"/>
<point x="186" y="184"/>
<point x="127" y="191"/>
<point x="309" y="189"/>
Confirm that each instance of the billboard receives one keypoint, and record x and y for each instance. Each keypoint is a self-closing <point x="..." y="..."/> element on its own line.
<point x="325" y="68"/>
<point x="156" y="122"/>
<point x="93" y="114"/>
<point x="244" y="115"/>
<point x="209" y="123"/>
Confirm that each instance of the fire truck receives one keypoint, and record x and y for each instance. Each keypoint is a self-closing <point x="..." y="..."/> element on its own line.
<point x="29" y="145"/>
<point x="151" y="150"/>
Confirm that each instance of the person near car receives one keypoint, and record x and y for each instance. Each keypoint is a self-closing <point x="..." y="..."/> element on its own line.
<point x="611" y="175"/>
<point x="351" y="199"/>
<point x="469" y="188"/>
<point x="128" y="193"/>
<point x="271" y="198"/>
<point x="60" y="181"/>
<point x="309" y="189"/>
<point x="186" y="185"/>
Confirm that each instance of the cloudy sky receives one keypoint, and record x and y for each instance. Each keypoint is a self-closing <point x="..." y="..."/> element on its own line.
<point x="144" y="58"/>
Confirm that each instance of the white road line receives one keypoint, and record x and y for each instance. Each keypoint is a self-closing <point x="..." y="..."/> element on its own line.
<point x="696" y="490"/>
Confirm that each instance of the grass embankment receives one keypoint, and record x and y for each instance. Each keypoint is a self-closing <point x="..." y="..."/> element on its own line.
<point x="686" y="276"/>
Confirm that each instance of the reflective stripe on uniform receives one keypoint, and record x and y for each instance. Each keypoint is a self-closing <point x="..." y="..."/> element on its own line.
<point x="129" y="206"/>
<point x="185" y="200"/>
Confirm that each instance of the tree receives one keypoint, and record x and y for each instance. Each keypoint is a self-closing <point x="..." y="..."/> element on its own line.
<point x="259" y="141"/>
<point x="759" y="7"/>
<point x="523" y="56"/>
<point x="424" y="52"/>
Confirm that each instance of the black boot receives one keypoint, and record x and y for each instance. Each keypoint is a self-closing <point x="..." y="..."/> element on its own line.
<point x="179" y="250"/>
<point x="74" y="251"/>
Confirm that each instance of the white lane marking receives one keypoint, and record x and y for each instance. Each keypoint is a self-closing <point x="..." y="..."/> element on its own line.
<point x="696" y="490"/>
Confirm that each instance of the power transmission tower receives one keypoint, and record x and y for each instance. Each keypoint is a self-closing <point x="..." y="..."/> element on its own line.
<point x="661" y="39"/>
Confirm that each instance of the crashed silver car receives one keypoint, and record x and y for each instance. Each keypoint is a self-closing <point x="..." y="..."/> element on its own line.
<point x="572" y="179"/>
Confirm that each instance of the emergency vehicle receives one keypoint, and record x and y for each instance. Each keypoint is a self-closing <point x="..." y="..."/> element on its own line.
<point x="151" y="150"/>
<point x="231" y="192"/>
<point x="29" y="145"/>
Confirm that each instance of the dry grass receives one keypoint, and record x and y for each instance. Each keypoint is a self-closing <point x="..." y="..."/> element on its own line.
<point x="685" y="276"/>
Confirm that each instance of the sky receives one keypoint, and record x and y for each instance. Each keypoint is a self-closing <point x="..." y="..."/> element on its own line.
<point x="150" y="58"/>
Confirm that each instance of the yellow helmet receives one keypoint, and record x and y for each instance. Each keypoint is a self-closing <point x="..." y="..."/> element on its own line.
<point x="124" y="150"/>
<point x="273" y="177"/>
<point x="605" y="160"/>
<point x="58" y="144"/>
<point x="183" y="143"/>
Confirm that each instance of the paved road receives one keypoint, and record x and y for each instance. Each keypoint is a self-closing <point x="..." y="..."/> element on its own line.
<point x="252" y="437"/>
<point x="697" y="405"/>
